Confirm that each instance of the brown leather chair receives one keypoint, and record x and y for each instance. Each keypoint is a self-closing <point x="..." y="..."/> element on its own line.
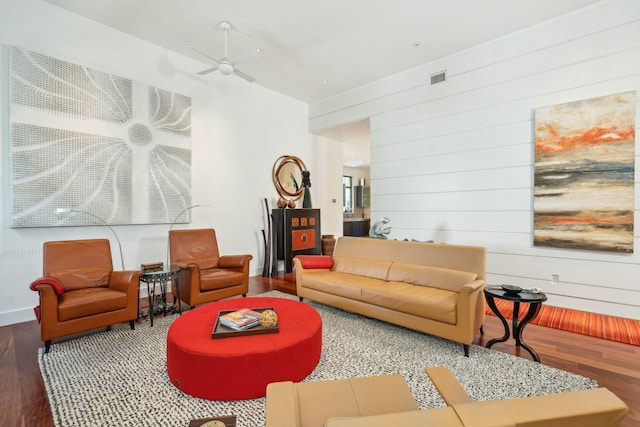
<point x="79" y="290"/>
<point x="204" y="275"/>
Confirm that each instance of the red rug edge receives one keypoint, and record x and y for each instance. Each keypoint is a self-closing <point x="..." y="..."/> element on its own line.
<point x="603" y="326"/>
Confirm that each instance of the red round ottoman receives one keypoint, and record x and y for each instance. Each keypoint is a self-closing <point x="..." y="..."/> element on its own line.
<point x="237" y="368"/>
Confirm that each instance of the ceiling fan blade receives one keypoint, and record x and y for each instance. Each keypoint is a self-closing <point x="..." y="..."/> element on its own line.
<point x="243" y="75"/>
<point x="208" y="70"/>
<point x="203" y="53"/>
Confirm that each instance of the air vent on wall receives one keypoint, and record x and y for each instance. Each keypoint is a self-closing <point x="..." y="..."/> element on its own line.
<point x="438" y="77"/>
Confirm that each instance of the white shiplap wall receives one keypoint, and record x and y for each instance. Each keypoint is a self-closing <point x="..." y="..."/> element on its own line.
<point x="454" y="162"/>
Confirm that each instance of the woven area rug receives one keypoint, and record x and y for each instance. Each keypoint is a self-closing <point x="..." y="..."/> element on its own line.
<point x="118" y="377"/>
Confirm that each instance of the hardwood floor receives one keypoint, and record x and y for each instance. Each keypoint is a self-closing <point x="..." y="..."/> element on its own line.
<point x="23" y="400"/>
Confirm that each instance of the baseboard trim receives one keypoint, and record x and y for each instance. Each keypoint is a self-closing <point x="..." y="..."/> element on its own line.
<point x="17" y="316"/>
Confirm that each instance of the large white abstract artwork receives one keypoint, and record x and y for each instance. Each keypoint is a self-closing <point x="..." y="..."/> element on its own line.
<point x="88" y="141"/>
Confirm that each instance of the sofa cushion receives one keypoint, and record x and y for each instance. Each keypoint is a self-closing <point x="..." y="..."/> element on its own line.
<point x="219" y="278"/>
<point x="90" y="301"/>
<point x="362" y="267"/>
<point x="431" y="303"/>
<point x="309" y="404"/>
<point x="335" y="283"/>
<point x="443" y="278"/>
<point x="81" y="278"/>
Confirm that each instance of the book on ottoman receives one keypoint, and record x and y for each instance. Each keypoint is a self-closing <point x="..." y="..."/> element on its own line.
<point x="241" y="320"/>
<point x="221" y="330"/>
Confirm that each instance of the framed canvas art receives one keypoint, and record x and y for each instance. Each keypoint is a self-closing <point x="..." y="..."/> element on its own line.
<point x="86" y="141"/>
<point x="584" y="174"/>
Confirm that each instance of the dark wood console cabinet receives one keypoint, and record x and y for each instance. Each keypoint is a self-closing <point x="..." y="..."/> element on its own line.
<point x="295" y="232"/>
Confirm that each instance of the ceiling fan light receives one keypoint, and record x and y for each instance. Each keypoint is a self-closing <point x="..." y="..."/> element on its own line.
<point x="225" y="69"/>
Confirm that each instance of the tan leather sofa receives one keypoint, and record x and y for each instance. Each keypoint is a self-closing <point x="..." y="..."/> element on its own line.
<point x="429" y="287"/>
<point x="387" y="401"/>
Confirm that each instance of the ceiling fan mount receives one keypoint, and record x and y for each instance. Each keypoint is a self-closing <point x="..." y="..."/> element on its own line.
<point x="225" y="65"/>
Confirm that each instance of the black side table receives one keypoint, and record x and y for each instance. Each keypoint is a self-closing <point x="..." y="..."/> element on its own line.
<point x="535" y="303"/>
<point x="153" y="278"/>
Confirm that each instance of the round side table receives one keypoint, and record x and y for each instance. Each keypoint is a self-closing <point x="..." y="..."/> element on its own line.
<point x="153" y="278"/>
<point x="535" y="303"/>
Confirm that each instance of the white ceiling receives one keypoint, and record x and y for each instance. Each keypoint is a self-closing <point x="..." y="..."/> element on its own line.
<point x="304" y="42"/>
<point x="314" y="49"/>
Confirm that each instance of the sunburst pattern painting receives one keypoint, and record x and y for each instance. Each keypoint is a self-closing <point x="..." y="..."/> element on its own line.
<point x="82" y="140"/>
<point x="584" y="174"/>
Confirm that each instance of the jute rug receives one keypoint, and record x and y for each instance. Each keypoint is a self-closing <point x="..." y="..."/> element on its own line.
<point x="118" y="377"/>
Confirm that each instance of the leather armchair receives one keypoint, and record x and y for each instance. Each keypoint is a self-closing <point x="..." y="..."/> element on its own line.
<point x="79" y="290"/>
<point x="204" y="275"/>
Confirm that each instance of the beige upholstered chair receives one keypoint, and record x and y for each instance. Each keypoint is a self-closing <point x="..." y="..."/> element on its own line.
<point x="204" y="275"/>
<point x="79" y="290"/>
<point x="386" y="400"/>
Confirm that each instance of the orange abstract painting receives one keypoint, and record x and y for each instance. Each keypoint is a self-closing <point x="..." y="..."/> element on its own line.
<point x="584" y="174"/>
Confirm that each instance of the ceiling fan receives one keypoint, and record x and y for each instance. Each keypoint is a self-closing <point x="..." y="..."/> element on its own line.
<point x="225" y="65"/>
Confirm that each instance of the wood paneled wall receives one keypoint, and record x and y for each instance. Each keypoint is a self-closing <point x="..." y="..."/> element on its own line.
<point x="453" y="162"/>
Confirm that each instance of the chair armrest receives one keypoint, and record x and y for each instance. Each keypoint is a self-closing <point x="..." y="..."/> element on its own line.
<point x="234" y="261"/>
<point x="47" y="311"/>
<point x="470" y="309"/>
<point x="472" y="287"/>
<point x="179" y="265"/>
<point x="124" y="280"/>
<point x="591" y="407"/>
<point x="315" y="261"/>
<point x="447" y="385"/>
<point x="184" y="265"/>
<point x="282" y="405"/>
<point x="47" y="281"/>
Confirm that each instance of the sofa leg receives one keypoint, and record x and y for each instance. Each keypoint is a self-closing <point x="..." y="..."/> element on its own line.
<point x="482" y="329"/>
<point x="466" y="349"/>
<point x="47" y="346"/>
<point x="300" y="299"/>
<point x="132" y="324"/>
<point x="244" y="295"/>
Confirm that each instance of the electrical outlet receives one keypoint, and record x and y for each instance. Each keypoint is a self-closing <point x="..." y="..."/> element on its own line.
<point x="555" y="279"/>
